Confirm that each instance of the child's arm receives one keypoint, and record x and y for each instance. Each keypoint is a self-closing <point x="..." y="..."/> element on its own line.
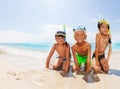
<point x="97" y="48"/>
<point x="88" y="58"/>
<point x="67" y="57"/>
<point x="110" y="49"/>
<point x="50" y="55"/>
<point x="75" y="59"/>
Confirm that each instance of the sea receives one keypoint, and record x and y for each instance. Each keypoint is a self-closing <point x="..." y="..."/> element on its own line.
<point x="45" y="47"/>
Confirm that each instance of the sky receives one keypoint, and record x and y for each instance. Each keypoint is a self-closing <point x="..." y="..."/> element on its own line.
<point x="38" y="20"/>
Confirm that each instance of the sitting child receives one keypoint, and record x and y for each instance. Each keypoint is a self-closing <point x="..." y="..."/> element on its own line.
<point x="103" y="40"/>
<point x="63" y="49"/>
<point x="81" y="50"/>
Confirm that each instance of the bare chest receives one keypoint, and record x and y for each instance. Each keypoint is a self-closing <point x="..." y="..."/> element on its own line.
<point x="82" y="50"/>
<point x="61" y="50"/>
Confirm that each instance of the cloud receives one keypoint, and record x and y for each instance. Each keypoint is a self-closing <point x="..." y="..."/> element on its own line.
<point x="47" y="35"/>
<point x="14" y="36"/>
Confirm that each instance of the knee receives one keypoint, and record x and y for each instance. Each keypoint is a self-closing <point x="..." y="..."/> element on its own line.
<point x="97" y="69"/>
<point x="73" y="68"/>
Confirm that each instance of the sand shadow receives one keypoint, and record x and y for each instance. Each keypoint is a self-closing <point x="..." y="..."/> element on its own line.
<point x="67" y="75"/>
<point x="114" y="72"/>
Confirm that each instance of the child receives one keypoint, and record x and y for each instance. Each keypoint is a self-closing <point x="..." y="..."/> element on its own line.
<point x="81" y="50"/>
<point x="63" y="49"/>
<point x="103" y="40"/>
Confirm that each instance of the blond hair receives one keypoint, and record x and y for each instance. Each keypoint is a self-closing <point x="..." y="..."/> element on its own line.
<point x="84" y="31"/>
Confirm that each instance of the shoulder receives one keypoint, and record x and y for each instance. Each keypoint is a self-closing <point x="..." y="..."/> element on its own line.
<point x="88" y="44"/>
<point x="74" y="46"/>
<point x="98" y="34"/>
<point x="55" y="45"/>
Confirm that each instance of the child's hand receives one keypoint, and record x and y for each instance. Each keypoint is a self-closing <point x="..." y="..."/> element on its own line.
<point x="78" y="69"/>
<point x="46" y="66"/>
<point x="46" y="69"/>
<point x="97" y="69"/>
<point x="66" y="71"/>
<point x="97" y="63"/>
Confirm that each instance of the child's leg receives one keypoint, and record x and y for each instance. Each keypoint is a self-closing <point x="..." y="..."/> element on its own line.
<point x="64" y="66"/>
<point x="95" y="67"/>
<point x="104" y="65"/>
<point x="73" y="68"/>
<point x="88" y="66"/>
<point x="56" y="64"/>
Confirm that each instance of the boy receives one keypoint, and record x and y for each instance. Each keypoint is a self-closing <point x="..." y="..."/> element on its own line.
<point x="63" y="49"/>
<point x="103" y="40"/>
<point x="81" y="50"/>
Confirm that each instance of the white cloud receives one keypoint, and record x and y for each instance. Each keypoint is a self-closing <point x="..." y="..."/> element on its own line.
<point x="14" y="36"/>
<point x="47" y="35"/>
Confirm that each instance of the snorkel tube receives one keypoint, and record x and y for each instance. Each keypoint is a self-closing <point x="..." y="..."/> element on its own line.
<point x="65" y="32"/>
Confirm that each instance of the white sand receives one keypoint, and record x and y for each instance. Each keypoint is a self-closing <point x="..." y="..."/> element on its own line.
<point x="24" y="69"/>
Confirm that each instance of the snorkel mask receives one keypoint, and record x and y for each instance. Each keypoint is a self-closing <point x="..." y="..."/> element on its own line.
<point x="100" y="22"/>
<point x="79" y="28"/>
<point x="60" y="33"/>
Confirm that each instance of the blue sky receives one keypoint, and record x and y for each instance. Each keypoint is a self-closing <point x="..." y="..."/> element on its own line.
<point x="38" y="20"/>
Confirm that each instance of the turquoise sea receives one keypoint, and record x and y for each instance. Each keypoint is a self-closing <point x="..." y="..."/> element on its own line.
<point x="46" y="46"/>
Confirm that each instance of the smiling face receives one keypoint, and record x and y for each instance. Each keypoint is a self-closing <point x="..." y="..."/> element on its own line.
<point x="80" y="36"/>
<point x="104" y="29"/>
<point x="60" y="39"/>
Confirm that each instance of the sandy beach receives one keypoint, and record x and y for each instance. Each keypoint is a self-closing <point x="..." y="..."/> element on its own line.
<point x="25" y="69"/>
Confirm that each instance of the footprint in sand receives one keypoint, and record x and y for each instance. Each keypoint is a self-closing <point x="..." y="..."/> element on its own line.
<point x="11" y="73"/>
<point x="39" y="81"/>
<point x="18" y="76"/>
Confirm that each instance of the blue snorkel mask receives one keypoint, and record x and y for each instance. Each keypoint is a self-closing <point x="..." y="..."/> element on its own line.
<point x="79" y="28"/>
